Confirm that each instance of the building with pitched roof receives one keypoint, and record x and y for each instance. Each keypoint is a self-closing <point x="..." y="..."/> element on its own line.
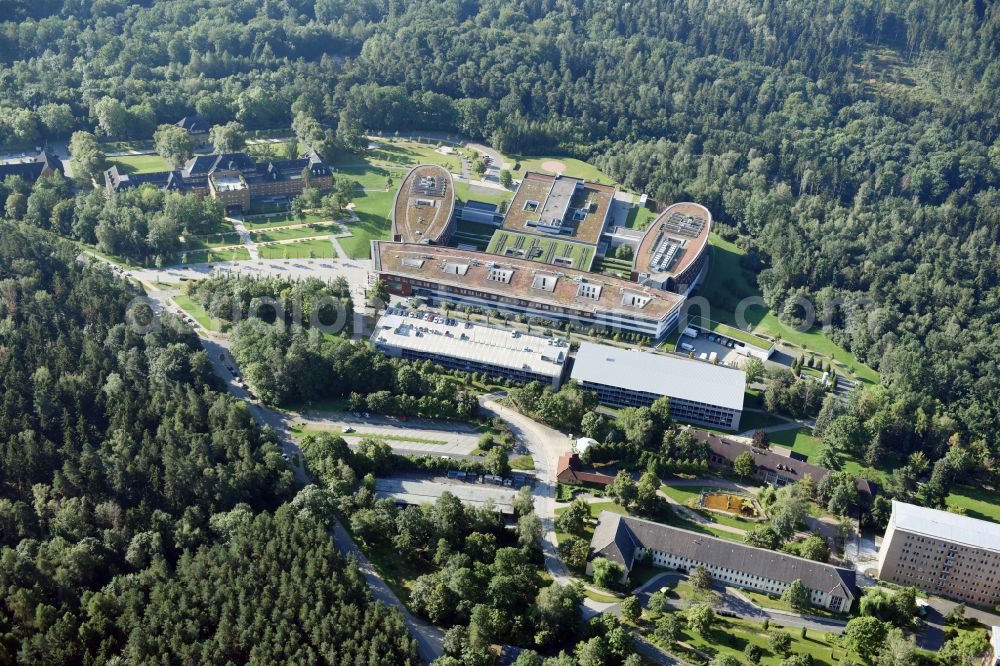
<point x="233" y="178"/>
<point x="775" y="466"/>
<point x="32" y="168"/>
<point x="699" y="391"/>
<point x="196" y="127"/>
<point x="943" y="553"/>
<point x="627" y="540"/>
<point x="570" y="469"/>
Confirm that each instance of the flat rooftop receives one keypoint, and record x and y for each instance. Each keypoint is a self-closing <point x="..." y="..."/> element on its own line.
<point x="682" y="378"/>
<point x="674" y="240"/>
<point x="507" y="277"/>
<point x="946" y="526"/>
<point x="498" y="347"/>
<point x="426" y="491"/>
<point x="560" y="206"/>
<point x="424" y="205"/>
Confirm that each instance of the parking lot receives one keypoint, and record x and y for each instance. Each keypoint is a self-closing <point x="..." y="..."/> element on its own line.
<point x="414" y="489"/>
<point x="413" y="436"/>
<point x="707" y="344"/>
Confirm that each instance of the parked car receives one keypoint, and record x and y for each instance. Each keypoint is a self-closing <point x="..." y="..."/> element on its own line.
<point x="349" y="429"/>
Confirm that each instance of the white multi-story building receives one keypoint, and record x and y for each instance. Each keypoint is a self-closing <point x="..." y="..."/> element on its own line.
<point x="942" y="553"/>
<point x="628" y="540"/>
<point x="699" y="392"/>
<point x="461" y="345"/>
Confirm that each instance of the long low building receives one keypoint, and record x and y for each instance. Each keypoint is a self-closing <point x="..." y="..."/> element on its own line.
<point x="472" y="347"/>
<point x="942" y="553"/>
<point x="523" y="287"/>
<point x="699" y="392"/>
<point x="775" y="466"/>
<point x="628" y="540"/>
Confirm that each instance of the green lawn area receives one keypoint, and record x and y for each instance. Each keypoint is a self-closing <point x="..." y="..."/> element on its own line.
<point x="978" y="502"/>
<point x="757" y="420"/>
<point x="139" y="163"/>
<point x="686" y="494"/>
<point x="211" y="240"/>
<point x="407" y="153"/>
<point x="548" y="249"/>
<point x="522" y="462"/>
<point x="285" y="233"/>
<point x="639" y="217"/>
<point x="318" y="248"/>
<point x="372" y="209"/>
<point x="574" y="167"/>
<point x="235" y="254"/>
<point x="730" y="636"/>
<point x="373" y="177"/>
<point x="801" y="440"/>
<point x="612" y="266"/>
<point x="601" y="596"/>
<point x="267" y="207"/>
<point x="728" y="283"/>
<point x="595" y="511"/>
<point x="283" y="220"/>
<point x="198" y="314"/>
<point x="463" y="191"/>
<point x="764" y="601"/>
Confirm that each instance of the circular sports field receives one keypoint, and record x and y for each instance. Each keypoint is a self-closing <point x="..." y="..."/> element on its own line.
<point x="555" y="166"/>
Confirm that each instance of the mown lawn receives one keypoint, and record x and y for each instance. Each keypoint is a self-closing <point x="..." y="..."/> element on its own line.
<point x="463" y="191"/>
<point x="198" y="314"/>
<point x="728" y="283"/>
<point x="373" y="177"/>
<point x="285" y="233"/>
<point x="139" y="163"/>
<point x="406" y="153"/>
<point x="730" y="636"/>
<point x="978" y="502"/>
<point x="574" y="167"/>
<point x="209" y="241"/>
<point x="372" y="209"/>
<point x="685" y="494"/>
<point x="522" y="462"/>
<point x="639" y="217"/>
<point x="757" y="420"/>
<point x="801" y="440"/>
<point x="764" y="601"/>
<point x="283" y="220"/>
<point x="318" y="248"/>
<point x="235" y="254"/>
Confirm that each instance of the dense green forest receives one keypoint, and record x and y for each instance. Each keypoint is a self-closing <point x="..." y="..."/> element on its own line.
<point x="136" y="498"/>
<point x="850" y="146"/>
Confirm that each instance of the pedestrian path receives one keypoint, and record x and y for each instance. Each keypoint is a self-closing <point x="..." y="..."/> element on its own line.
<point x="248" y="242"/>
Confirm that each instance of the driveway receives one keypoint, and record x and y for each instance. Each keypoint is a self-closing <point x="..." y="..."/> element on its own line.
<point x="429" y="638"/>
<point x="732" y="601"/>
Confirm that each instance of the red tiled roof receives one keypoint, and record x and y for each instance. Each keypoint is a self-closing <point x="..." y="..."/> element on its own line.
<point x="569" y="470"/>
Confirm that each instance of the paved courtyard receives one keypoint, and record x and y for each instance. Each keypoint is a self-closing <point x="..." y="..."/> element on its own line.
<point x="423" y="490"/>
